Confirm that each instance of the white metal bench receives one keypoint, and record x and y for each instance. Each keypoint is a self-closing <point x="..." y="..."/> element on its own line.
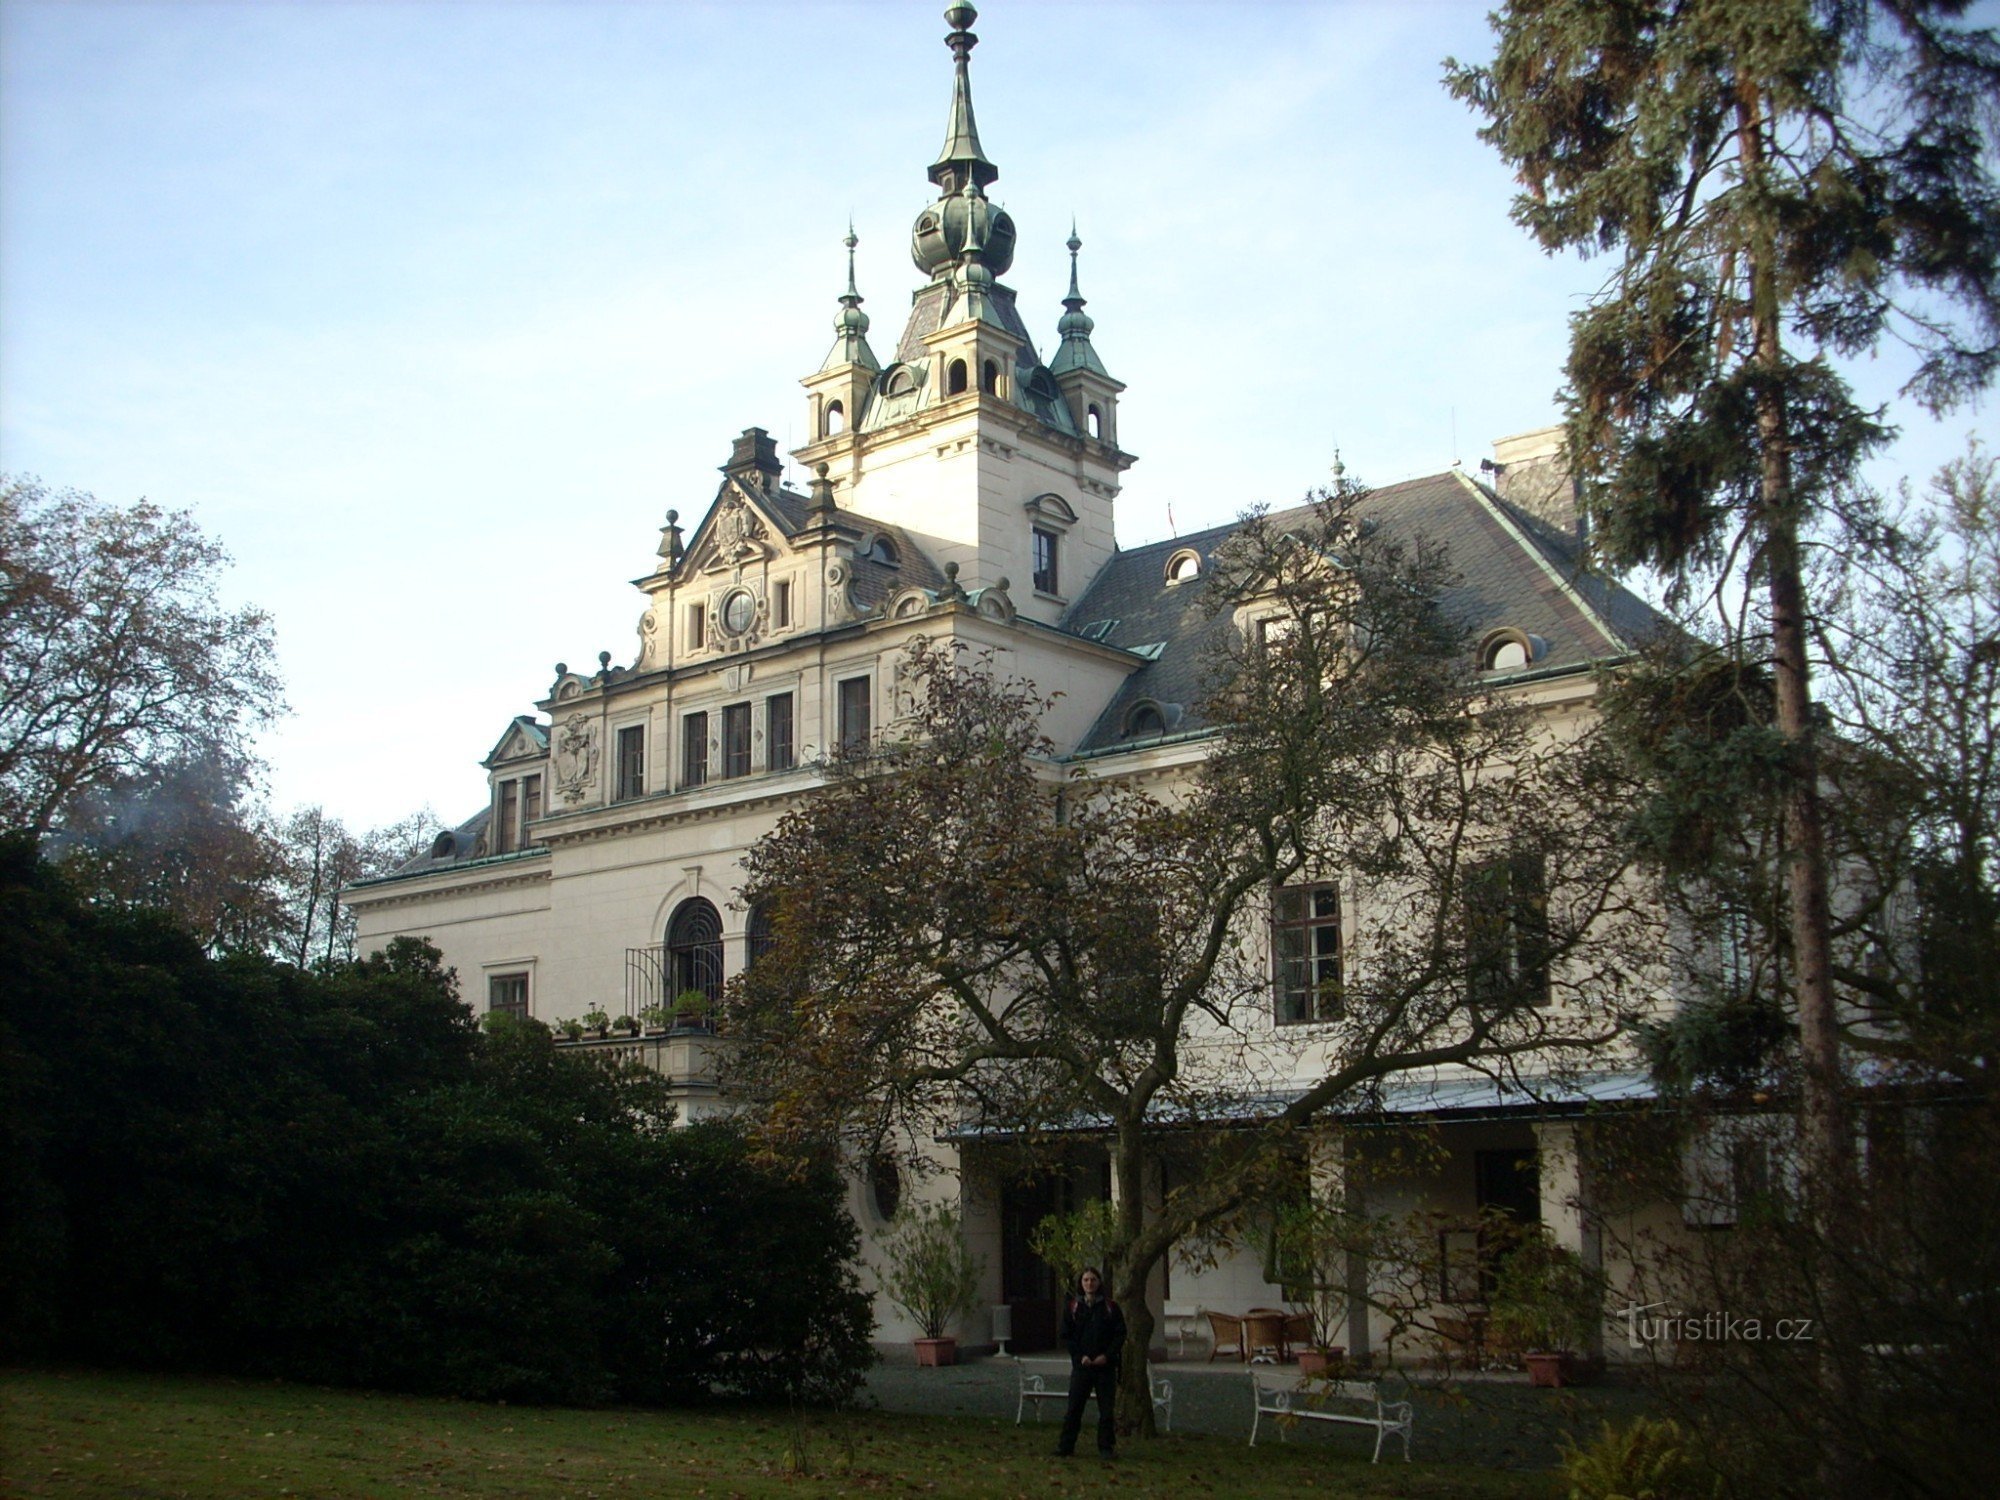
<point x="1358" y="1403"/>
<point x="1035" y="1389"/>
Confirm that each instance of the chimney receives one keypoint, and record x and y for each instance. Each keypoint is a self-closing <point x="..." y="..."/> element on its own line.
<point x="1530" y="470"/>
<point x="753" y="461"/>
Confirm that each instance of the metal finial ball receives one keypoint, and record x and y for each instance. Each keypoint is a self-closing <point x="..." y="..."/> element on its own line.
<point x="951" y="570"/>
<point x="821" y="469"/>
<point x="960" y="17"/>
<point x="562" y="669"/>
<point x="673" y="516"/>
<point x="603" y="660"/>
<point x="1003" y="585"/>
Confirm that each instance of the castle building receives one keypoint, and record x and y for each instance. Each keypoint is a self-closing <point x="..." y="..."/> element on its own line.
<point x="963" y="489"/>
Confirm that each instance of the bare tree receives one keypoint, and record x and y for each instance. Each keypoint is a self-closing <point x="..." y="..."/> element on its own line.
<point x="116" y="658"/>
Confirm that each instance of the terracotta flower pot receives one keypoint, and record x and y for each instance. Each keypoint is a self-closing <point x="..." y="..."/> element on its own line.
<point x="1549" y="1371"/>
<point x="932" y="1353"/>
<point x="1319" y="1361"/>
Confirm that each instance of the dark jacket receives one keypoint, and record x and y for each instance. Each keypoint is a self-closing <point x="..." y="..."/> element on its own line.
<point x="1092" y="1328"/>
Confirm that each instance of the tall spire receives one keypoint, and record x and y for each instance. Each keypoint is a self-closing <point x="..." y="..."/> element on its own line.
<point x="850" y="324"/>
<point x="961" y="156"/>
<point x="1075" y="325"/>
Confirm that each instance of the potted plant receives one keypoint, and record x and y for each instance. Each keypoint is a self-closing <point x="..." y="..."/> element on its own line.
<point x="1550" y="1304"/>
<point x="1309" y="1250"/>
<point x="570" y="1028"/>
<point x="597" y="1020"/>
<point x="690" y="1011"/>
<point x="932" y="1277"/>
<point x="654" y="1018"/>
<point x="625" y="1025"/>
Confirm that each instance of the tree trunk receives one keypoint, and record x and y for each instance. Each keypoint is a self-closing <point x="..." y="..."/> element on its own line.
<point x="1135" y="1389"/>
<point x="1825" y="1148"/>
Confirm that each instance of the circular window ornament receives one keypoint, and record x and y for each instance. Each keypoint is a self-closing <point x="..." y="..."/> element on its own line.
<point x="738" y="610"/>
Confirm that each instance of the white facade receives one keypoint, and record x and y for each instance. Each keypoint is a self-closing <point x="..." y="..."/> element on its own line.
<point x="964" y="490"/>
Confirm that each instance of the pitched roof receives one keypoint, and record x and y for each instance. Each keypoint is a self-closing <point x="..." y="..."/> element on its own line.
<point x="1512" y="571"/>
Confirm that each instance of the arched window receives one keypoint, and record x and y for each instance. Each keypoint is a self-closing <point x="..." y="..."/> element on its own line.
<point x="761" y="938"/>
<point x="1507" y="649"/>
<point x="1145" y="722"/>
<point x="954" y="377"/>
<point x="1184" y="566"/>
<point x="1095" y="422"/>
<point x="836" y="419"/>
<point x="882" y="550"/>
<point x="694" y="950"/>
<point x="901" y="382"/>
<point x="989" y="377"/>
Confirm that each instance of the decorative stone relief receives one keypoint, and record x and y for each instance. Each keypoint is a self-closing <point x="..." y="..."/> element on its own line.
<point x="839" y="604"/>
<point x="737" y="538"/>
<point x="649" y="637"/>
<point x="576" y="758"/>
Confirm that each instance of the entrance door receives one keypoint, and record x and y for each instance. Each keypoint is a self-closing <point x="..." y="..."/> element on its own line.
<point x="1510" y="1182"/>
<point x="1027" y="1282"/>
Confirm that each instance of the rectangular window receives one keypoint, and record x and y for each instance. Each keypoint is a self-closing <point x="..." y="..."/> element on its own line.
<point x="632" y="761"/>
<point x="694" y="750"/>
<point x="854" y="716"/>
<point x="697" y="626"/>
<point x="507" y="835"/>
<point x="1045" y="562"/>
<point x="736" y="740"/>
<point x="508" y="994"/>
<point x="1507" y="932"/>
<point x="778" y="742"/>
<point x="1305" y="952"/>
<point x="781" y="604"/>
<point x="531" y="806"/>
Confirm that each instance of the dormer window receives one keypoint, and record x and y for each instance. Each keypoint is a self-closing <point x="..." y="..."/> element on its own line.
<point x="901" y="382"/>
<point x="1508" y="650"/>
<point x="883" y="551"/>
<point x="1184" y="566"/>
<point x="1145" y="722"/>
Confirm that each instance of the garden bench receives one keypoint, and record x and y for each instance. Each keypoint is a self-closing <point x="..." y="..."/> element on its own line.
<point x="1358" y="1403"/>
<point x="1035" y="1389"/>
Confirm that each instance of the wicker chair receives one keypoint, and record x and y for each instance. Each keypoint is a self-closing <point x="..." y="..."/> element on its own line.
<point x="1226" y="1332"/>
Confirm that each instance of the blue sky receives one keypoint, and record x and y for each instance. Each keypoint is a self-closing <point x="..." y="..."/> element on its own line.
<point x="429" y="311"/>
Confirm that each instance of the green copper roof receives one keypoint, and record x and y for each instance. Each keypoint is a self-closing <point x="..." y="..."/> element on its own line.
<point x="1075" y="326"/>
<point x="960" y="156"/>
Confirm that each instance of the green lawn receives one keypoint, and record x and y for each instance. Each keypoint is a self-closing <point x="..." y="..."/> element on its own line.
<point x="151" y="1438"/>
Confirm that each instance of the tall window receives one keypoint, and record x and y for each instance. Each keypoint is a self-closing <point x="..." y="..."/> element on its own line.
<point x="632" y="761"/>
<point x="531" y="804"/>
<point x="736" y="740"/>
<point x="780" y="747"/>
<point x="1305" y="952"/>
<point x="694" y="750"/>
<point x="1045" y="561"/>
<point x="694" y="950"/>
<point x="854" y="716"/>
<point x="760" y="939"/>
<point x="697" y="626"/>
<point x="1507" y="931"/>
<point x="781" y="604"/>
<point x="507" y="836"/>
<point x="508" y="994"/>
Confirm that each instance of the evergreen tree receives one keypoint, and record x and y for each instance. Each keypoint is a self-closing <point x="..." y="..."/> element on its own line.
<point x="1786" y="182"/>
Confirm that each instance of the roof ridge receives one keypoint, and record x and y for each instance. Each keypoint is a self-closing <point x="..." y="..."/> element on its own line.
<point x="1503" y="513"/>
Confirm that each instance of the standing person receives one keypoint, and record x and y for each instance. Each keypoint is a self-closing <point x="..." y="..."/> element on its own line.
<point x="1094" y="1330"/>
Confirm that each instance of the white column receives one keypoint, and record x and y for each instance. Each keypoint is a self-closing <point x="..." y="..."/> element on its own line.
<point x="1566" y="1198"/>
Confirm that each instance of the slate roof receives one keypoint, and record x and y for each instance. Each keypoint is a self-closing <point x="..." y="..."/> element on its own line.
<point x="453" y="847"/>
<point x="1513" y="571"/>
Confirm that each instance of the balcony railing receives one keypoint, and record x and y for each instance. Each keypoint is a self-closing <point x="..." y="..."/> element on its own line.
<point x="649" y="982"/>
